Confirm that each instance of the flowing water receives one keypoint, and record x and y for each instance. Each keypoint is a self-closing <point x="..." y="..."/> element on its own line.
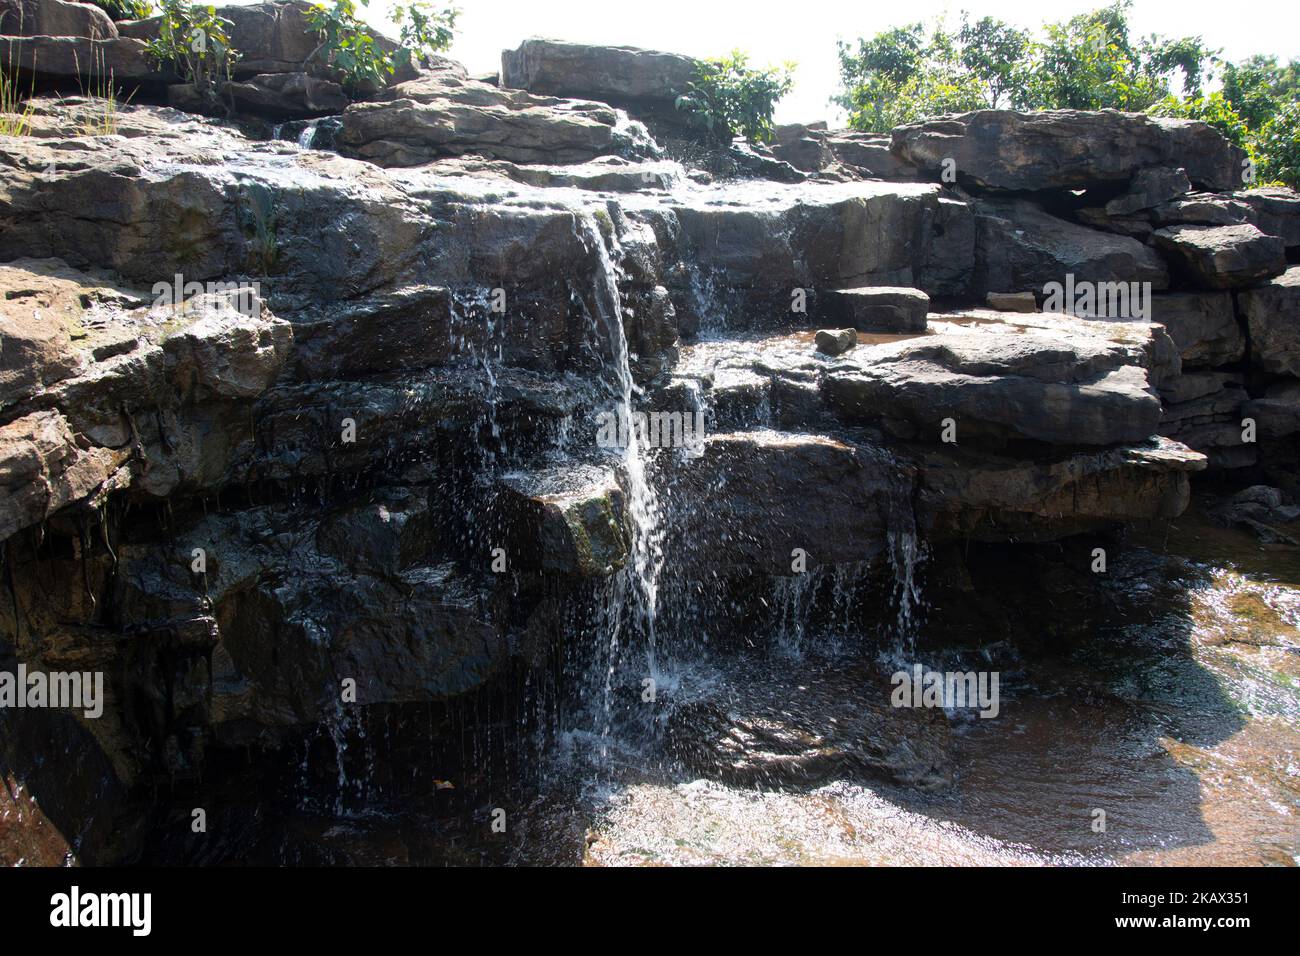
<point x="1150" y="715"/>
<point x="1146" y="717"/>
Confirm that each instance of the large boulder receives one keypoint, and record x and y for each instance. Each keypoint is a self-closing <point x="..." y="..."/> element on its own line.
<point x="879" y="308"/>
<point x="1060" y="380"/>
<point x="272" y="37"/>
<point x="441" y="114"/>
<point x="54" y="18"/>
<point x="1222" y="257"/>
<point x="612" y="74"/>
<point x="1067" y="149"/>
<point x="72" y="57"/>
<point x="1020" y="248"/>
<point x="1271" y="311"/>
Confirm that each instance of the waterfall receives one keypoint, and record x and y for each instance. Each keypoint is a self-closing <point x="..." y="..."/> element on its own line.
<point x="466" y="307"/>
<point x="308" y="134"/>
<point x="646" y="559"/>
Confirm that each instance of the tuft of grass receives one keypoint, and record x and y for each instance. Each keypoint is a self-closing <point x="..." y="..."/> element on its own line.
<point x="100" y="118"/>
<point x="15" y="115"/>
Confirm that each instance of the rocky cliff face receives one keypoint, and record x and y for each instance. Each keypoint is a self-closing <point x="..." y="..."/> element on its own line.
<point x="277" y="422"/>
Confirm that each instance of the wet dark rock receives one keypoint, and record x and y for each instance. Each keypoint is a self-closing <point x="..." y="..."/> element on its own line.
<point x="386" y="536"/>
<point x="755" y="496"/>
<point x="778" y="736"/>
<point x="880" y="308"/>
<point x="565" y="521"/>
<point x="1222" y="257"/>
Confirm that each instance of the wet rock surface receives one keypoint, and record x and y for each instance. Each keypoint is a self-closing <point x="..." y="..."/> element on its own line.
<point x="275" y="417"/>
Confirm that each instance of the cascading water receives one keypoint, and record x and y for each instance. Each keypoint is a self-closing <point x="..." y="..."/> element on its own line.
<point x="632" y="597"/>
<point x="308" y="135"/>
<point x="643" y="504"/>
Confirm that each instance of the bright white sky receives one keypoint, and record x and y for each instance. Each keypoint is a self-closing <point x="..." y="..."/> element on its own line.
<point x="774" y="31"/>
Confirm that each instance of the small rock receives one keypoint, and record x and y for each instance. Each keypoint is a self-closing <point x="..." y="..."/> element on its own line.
<point x="1012" y="301"/>
<point x="836" y="341"/>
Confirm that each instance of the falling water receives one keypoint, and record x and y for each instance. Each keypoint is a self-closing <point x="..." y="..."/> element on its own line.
<point x="308" y="134"/>
<point x="643" y="504"/>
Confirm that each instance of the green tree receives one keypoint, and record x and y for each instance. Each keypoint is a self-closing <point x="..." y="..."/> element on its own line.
<point x="997" y="56"/>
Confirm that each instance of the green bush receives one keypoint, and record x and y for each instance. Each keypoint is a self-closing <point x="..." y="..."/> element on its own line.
<point x="728" y="98"/>
<point x="192" y="40"/>
<point x="347" y="45"/>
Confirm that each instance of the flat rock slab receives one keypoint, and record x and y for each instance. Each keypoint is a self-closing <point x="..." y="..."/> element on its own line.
<point x="1012" y="301"/>
<point x="1222" y="257"/>
<point x="879" y="308"/>
<point x="1067" y="149"/>
<point x="441" y="114"/>
<point x="608" y="73"/>
<point x="1053" y="379"/>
